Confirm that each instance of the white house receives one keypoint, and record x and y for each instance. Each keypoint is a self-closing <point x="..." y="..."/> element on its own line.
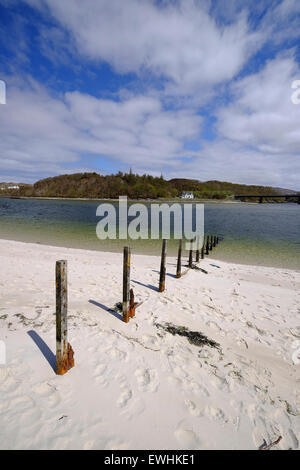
<point x="187" y="195"/>
<point x="3" y="188"/>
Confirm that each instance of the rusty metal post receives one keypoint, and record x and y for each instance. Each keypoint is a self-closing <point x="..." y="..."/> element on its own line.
<point x="178" y="271"/>
<point x="64" y="351"/>
<point x="126" y="283"/>
<point x="162" y="276"/>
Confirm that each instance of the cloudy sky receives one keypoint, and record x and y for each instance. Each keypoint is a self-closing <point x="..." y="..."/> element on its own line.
<point x="188" y="88"/>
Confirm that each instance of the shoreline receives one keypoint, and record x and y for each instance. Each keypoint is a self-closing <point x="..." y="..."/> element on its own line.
<point x="215" y="201"/>
<point x="118" y="250"/>
<point x="147" y="201"/>
<point x="91" y="252"/>
<point x="137" y="376"/>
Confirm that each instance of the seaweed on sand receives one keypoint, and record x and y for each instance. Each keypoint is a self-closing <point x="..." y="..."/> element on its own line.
<point x="118" y="307"/>
<point x="194" y="337"/>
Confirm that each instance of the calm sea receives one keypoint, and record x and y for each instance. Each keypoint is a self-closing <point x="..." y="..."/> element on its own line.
<point x="260" y="234"/>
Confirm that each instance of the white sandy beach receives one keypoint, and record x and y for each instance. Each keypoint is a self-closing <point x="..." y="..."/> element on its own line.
<point x="136" y="386"/>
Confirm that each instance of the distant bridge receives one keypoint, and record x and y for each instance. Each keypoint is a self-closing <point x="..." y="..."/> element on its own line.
<point x="261" y="197"/>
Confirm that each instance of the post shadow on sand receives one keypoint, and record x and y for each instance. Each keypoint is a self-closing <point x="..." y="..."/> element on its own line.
<point x="107" y="309"/>
<point x="167" y="274"/>
<point x="44" y="348"/>
<point x="149" y="286"/>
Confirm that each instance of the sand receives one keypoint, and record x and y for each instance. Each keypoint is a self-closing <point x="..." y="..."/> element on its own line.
<point x="136" y="386"/>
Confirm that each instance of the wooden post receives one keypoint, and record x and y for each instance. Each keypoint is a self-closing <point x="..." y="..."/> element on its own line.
<point x="207" y="245"/>
<point x="210" y="243"/>
<point x="214" y="241"/>
<point x="198" y="251"/>
<point x="178" y="271"/>
<point x="131" y="304"/>
<point x="191" y="255"/>
<point x="126" y="283"/>
<point x="202" y="249"/>
<point x="64" y="351"/>
<point x="162" y="276"/>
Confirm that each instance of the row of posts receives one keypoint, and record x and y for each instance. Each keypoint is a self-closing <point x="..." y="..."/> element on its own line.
<point x="64" y="351"/>
<point x="209" y="242"/>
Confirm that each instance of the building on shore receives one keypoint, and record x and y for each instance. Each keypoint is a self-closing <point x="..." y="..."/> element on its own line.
<point x="15" y="186"/>
<point x="187" y="195"/>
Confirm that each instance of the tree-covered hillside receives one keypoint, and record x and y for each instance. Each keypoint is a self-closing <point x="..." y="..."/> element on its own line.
<point x="93" y="185"/>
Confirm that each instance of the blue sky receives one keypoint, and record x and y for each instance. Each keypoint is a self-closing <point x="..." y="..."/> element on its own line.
<point x="184" y="88"/>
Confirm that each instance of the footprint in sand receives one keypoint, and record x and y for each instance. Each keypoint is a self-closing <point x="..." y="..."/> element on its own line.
<point x="187" y="439"/>
<point x="147" y="380"/>
<point x="44" y="390"/>
<point x="193" y="408"/>
<point x="193" y="386"/>
<point x="124" y="397"/>
<point x="21" y="404"/>
<point x="263" y="430"/>
<point x="48" y="393"/>
<point x="9" y="385"/>
<point x="174" y="381"/>
<point x="131" y="406"/>
<point x="216" y="414"/>
<point x="116" y="353"/>
<point x="99" y="374"/>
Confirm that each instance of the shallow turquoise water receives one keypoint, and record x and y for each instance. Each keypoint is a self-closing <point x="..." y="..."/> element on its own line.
<point x="261" y="234"/>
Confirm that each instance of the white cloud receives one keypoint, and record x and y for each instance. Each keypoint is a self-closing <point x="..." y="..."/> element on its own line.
<point x="257" y="141"/>
<point x="258" y="138"/>
<point x="43" y="135"/>
<point x="262" y="115"/>
<point x="230" y="161"/>
<point x="179" y="41"/>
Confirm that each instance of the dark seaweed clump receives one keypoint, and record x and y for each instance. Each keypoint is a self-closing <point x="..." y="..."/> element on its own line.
<point x="194" y="337"/>
<point x="118" y="307"/>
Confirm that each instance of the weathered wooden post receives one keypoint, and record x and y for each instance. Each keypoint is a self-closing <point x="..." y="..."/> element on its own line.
<point x="64" y="351"/>
<point x="126" y="283"/>
<point x="191" y="255"/>
<point x="178" y="270"/>
<point x="203" y="248"/>
<point x="198" y="251"/>
<point x="162" y="276"/>
<point x="131" y="304"/>
<point x="207" y="245"/>
<point x="210" y="243"/>
<point x="214" y="241"/>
